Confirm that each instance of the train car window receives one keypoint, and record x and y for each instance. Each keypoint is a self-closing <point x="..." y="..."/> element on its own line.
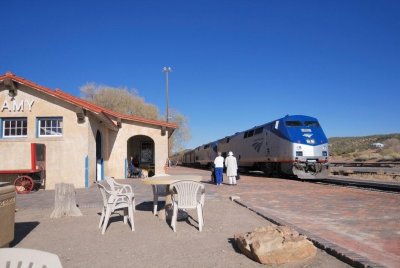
<point x="206" y="146"/>
<point x="250" y="134"/>
<point x="245" y="134"/>
<point x="258" y="130"/>
<point x="311" y="123"/>
<point x="270" y="127"/>
<point x="293" y="123"/>
<point x="276" y="124"/>
<point x="227" y="140"/>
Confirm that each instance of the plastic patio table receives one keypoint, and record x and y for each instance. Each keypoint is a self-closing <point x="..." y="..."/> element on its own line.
<point x="167" y="180"/>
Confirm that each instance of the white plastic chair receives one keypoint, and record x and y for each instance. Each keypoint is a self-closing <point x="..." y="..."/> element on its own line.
<point x="121" y="188"/>
<point x="112" y="201"/>
<point x="24" y="258"/>
<point x="158" y="191"/>
<point x="187" y="195"/>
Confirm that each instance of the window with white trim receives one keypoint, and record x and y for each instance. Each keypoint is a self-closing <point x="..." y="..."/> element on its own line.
<point x="50" y="127"/>
<point x="14" y="127"/>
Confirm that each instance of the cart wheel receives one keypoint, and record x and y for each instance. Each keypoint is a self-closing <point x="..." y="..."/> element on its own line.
<point x="24" y="184"/>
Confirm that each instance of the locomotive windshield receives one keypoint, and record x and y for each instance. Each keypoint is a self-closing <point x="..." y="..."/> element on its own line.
<point x="311" y="123"/>
<point x="293" y="123"/>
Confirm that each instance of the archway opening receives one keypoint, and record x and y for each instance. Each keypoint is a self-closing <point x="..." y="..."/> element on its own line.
<point x="141" y="153"/>
<point x="99" y="157"/>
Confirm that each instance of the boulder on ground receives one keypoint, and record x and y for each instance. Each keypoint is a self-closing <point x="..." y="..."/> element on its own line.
<point x="275" y="245"/>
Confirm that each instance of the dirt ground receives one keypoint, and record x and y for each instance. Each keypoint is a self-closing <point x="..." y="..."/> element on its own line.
<point x="79" y="243"/>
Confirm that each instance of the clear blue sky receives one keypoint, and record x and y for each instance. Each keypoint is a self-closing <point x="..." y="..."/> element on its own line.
<point x="236" y="64"/>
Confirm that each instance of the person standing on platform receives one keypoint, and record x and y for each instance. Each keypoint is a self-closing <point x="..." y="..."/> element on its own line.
<point x="231" y="168"/>
<point x="219" y="169"/>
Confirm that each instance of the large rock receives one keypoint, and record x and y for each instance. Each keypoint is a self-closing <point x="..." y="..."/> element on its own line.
<point x="275" y="245"/>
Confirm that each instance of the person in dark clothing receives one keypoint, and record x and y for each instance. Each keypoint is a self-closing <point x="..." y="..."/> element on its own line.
<point x="133" y="168"/>
<point x="213" y="180"/>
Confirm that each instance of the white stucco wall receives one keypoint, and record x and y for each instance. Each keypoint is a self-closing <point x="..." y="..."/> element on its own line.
<point x="65" y="156"/>
<point x="115" y="165"/>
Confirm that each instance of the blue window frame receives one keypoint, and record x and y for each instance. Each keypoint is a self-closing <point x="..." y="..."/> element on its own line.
<point x="49" y="126"/>
<point x="14" y="127"/>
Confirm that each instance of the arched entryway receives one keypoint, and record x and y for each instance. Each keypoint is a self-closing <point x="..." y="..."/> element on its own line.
<point x="141" y="153"/>
<point x="99" y="157"/>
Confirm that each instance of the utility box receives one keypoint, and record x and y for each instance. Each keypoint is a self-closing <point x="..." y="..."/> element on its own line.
<point x="7" y="213"/>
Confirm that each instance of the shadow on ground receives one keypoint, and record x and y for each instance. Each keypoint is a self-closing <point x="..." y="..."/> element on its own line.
<point x="22" y="229"/>
<point x="148" y="206"/>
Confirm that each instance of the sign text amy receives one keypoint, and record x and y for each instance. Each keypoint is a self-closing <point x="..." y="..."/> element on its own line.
<point x="17" y="106"/>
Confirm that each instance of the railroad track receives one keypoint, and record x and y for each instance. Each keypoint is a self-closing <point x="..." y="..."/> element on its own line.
<point x="365" y="164"/>
<point x="393" y="172"/>
<point x="346" y="181"/>
<point x="360" y="183"/>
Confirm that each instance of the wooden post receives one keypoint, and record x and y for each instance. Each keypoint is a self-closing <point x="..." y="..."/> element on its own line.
<point x="65" y="202"/>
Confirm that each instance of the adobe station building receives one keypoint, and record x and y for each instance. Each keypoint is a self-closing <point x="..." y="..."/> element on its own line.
<point x="83" y="142"/>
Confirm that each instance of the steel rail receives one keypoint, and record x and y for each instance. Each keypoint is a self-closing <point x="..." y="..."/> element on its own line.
<point x="360" y="183"/>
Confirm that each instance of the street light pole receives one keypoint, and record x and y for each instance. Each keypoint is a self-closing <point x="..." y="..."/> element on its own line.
<point x="167" y="70"/>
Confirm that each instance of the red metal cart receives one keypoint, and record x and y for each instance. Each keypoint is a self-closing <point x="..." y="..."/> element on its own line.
<point x="28" y="179"/>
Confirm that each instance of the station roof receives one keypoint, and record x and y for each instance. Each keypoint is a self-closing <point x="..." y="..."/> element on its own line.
<point x="105" y="114"/>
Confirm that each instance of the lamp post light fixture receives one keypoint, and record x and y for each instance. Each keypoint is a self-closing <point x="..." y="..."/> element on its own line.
<point x="166" y="70"/>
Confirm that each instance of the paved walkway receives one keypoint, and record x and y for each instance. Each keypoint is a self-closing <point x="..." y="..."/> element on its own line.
<point x="363" y="226"/>
<point x="79" y="243"/>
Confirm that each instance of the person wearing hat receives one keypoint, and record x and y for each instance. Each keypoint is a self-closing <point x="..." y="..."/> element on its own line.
<point x="219" y="169"/>
<point x="231" y="168"/>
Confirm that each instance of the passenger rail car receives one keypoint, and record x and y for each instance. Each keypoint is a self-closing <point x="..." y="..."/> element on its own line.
<point x="293" y="145"/>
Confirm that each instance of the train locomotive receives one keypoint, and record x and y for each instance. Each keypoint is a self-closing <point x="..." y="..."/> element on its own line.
<point x="294" y="145"/>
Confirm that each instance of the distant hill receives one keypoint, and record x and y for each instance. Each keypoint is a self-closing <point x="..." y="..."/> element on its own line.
<point x="365" y="148"/>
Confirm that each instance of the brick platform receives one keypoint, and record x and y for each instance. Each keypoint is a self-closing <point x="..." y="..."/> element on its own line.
<point x="358" y="226"/>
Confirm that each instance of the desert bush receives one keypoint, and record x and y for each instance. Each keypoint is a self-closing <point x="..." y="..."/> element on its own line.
<point x="392" y="157"/>
<point x="393" y="144"/>
<point x="359" y="148"/>
<point x="361" y="158"/>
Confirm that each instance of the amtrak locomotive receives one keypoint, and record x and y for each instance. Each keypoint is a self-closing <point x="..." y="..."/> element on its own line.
<point x="294" y="145"/>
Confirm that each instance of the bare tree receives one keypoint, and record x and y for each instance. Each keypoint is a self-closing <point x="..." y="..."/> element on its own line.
<point x="123" y="100"/>
<point x="119" y="99"/>
<point x="182" y="135"/>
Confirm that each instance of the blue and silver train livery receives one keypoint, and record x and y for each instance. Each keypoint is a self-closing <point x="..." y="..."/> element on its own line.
<point x="293" y="145"/>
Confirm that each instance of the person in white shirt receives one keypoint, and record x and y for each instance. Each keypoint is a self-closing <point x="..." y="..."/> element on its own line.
<point x="231" y="168"/>
<point x="219" y="169"/>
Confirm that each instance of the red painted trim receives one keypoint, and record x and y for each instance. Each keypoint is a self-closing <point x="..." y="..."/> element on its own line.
<point x="20" y="171"/>
<point x="25" y="171"/>
<point x="33" y="156"/>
